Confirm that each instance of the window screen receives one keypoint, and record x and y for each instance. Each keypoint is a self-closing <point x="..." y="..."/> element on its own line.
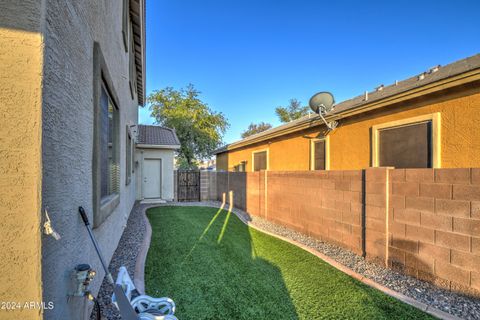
<point x="407" y="146"/>
<point x="260" y="161"/>
<point x="109" y="164"/>
<point x="319" y="155"/>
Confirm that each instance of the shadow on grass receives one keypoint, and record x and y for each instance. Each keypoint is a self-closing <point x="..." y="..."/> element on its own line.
<point x="215" y="267"/>
<point x="203" y="258"/>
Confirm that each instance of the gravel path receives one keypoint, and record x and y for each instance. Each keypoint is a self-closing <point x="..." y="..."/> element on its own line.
<point x="125" y="255"/>
<point x="453" y="303"/>
<point x="132" y="238"/>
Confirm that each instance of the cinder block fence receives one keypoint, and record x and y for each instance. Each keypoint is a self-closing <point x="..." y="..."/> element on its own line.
<point x="423" y="222"/>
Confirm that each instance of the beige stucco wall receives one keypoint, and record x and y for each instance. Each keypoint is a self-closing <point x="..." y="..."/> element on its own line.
<point x="167" y="157"/>
<point x="46" y="147"/>
<point x="68" y="141"/>
<point x="21" y="60"/>
<point x="350" y="143"/>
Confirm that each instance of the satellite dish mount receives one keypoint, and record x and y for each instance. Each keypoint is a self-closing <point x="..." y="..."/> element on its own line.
<point x="323" y="103"/>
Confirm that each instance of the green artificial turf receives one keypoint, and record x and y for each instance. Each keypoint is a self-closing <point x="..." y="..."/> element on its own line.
<point x="215" y="267"/>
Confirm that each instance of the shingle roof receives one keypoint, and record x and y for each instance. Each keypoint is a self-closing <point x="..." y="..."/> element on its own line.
<point x="443" y="72"/>
<point x="157" y="135"/>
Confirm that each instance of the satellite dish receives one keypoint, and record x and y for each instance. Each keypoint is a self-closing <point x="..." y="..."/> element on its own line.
<point x="323" y="103"/>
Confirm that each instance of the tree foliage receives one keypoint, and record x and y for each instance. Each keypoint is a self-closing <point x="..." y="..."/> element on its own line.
<point x="293" y="111"/>
<point x="199" y="128"/>
<point x="255" y="128"/>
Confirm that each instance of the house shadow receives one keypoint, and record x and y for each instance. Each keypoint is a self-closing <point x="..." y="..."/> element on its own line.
<point x="215" y="270"/>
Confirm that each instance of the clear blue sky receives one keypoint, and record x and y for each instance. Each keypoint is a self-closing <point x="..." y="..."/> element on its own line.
<point x="248" y="57"/>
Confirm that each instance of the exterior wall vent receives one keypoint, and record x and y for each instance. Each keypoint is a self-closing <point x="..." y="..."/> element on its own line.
<point x="434" y="69"/>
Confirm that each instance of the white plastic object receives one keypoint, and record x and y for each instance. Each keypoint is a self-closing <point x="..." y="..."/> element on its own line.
<point x="148" y="308"/>
<point x="48" y="229"/>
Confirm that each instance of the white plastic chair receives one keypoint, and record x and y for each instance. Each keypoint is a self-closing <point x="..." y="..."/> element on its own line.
<point x="146" y="307"/>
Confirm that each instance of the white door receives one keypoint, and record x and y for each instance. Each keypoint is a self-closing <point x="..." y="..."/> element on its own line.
<point x="152" y="178"/>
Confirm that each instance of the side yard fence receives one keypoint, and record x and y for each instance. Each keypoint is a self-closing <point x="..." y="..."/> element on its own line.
<point x="423" y="222"/>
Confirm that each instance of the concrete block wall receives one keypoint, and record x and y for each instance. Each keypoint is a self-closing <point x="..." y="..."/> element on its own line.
<point x="423" y="222"/>
<point x="208" y="185"/>
<point x="435" y="231"/>
<point x="237" y="183"/>
<point x="320" y="204"/>
<point x="376" y="208"/>
<point x="256" y="193"/>
<point x="221" y="185"/>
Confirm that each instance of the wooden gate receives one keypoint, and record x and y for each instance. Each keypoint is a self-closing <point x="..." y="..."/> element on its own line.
<point x="188" y="185"/>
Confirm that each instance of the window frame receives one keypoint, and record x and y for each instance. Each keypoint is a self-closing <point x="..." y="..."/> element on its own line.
<point x="267" y="161"/>
<point x="128" y="156"/>
<point x="327" y="152"/>
<point x="103" y="207"/>
<point x="434" y="118"/>
<point x="132" y="68"/>
<point x="241" y="167"/>
<point x="116" y="145"/>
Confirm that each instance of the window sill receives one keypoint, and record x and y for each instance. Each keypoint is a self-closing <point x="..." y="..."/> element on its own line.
<point x="107" y="205"/>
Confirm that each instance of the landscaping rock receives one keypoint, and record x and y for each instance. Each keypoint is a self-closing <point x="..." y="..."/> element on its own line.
<point x="125" y="255"/>
<point x="447" y="301"/>
<point x="453" y="303"/>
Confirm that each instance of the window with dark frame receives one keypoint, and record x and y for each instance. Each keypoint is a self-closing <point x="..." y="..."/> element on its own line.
<point x="319" y="160"/>
<point x="260" y="161"/>
<point x="240" y="167"/>
<point x="132" y="70"/>
<point x="109" y="147"/>
<point x="408" y="146"/>
<point x="129" y="156"/>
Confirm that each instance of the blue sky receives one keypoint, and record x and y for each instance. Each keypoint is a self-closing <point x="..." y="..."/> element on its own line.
<point x="248" y="57"/>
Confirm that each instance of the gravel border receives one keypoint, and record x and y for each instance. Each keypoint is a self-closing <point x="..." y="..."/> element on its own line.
<point x="133" y="238"/>
<point x="434" y="297"/>
<point x="125" y="255"/>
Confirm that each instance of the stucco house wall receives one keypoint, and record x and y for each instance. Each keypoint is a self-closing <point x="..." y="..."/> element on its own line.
<point x="68" y="137"/>
<point x="49" y="74"/>
<point x="350" y="143"/>
<point x="167" y="157"/>
<point x="21" y="58"/>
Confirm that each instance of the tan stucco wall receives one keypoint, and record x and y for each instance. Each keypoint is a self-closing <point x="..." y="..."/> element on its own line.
<point x="21" y="61"/>
<point x="350" y="143"/>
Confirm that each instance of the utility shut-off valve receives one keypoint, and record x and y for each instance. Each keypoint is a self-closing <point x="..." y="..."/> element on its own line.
<point x="84" y="274"/>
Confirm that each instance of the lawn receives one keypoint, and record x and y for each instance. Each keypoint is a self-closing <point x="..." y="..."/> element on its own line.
<point x="215" y="267"/>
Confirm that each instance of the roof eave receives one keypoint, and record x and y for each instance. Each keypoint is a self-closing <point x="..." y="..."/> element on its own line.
<point x="157" y="146"/>
<point x="456" y="80"/>
<point x="138" y="9"/>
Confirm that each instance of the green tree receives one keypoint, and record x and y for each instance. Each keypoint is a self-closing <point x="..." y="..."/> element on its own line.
<point x="199" y="128"/>
<point x="255" y="128"/>
<point x="291" y="112"/>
